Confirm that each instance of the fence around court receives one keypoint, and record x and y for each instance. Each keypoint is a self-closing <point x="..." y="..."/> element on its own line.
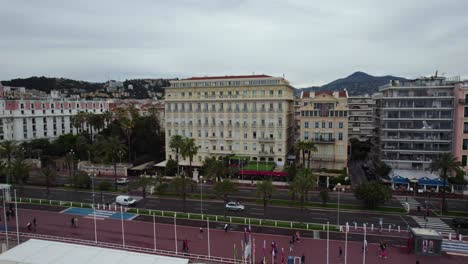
<point x="187" y="216"/>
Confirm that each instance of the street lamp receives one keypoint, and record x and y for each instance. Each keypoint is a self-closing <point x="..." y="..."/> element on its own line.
<point x="71" y="154"/>
<point x="338" y="188"/>
<point x="93" y="176"/>
<point x="201" y="195"/>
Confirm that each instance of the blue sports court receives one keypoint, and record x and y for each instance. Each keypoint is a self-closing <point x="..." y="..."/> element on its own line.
<point x="100" y="213"/>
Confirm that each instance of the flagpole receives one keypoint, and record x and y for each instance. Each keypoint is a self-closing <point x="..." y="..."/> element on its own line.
<point x="346" y="245"/>
<point x="209" y="245"/>
<point x="17" y="225"/>
<point x="4" y="215"/>
<point x="154" y="231"/>
<point x="175" y="232"/>
<point x="328" y="242"/>
<point x="364" y="252"/>
<point x="123" y="230"/>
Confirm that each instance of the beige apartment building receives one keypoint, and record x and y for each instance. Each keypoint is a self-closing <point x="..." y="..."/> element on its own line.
<point x="232" y="115"/>
<point x="361" y="117"/>
<point x="324" y="121"/>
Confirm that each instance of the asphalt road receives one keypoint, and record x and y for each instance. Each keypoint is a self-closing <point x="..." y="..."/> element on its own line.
<point x="252" y="210"/>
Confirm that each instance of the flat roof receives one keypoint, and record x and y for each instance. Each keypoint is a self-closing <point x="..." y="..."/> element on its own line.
<point x="425" y="232"/>
<point x="35" y="251"/>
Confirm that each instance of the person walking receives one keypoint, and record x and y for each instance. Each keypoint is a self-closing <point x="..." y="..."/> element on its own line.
<point x="303" y="258"/>
<point x="34" y="222"/>
<point x="226" y="227"/>
<point x="73" y="222"/>
<point x="340" y="252"/>
<point x="29" y="226"/>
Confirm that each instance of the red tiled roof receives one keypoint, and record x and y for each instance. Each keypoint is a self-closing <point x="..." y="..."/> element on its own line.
<point x="229" y="77"/>
<point x="305" y="94"/>
<point x="340" y="93"/>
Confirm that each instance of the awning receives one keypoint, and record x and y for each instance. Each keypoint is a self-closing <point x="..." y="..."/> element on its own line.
<point x="143" y="166"/>
<point x="431" y="182"/>
<point x="264" y="173"/>
<point x="181" y="163"/>
<point x="400" y="180"/>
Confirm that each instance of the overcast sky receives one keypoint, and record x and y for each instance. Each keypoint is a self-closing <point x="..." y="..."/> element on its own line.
<point x="310" y="43"/>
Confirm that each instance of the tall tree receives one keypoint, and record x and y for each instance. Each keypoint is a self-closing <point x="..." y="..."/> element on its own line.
<point x="445" y="164"/>
<point x="8" y="148"/>
<point x="302" y="147"/>
<point x="188" y="150"/>
<point x="265" y="189"/>
<point x="109" y="150"/>
<point x="49" y="174"/>
<point x="21" y="172"/>
<point x="372" y="194"/>
<point x="126" y="119"/>
<point x="302" y="184"/>
<point x="225" y="188"/>
<point x="175" y="144"/>
<point x="310" y="147"/>
<point x="214" y="169"/>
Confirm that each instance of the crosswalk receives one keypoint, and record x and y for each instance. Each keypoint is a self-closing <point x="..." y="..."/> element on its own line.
<point x="434" y="223"/>
<point x="101" y="214"/>
<point x="413" y="203"/>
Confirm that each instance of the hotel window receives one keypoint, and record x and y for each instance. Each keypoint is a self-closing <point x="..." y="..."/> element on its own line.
<point x="306" y="124"/>
<point x="340" y="136"/>
<point x="464" y="160"/>
<point x="262" y="92"/>
<point x="317" y="125"/>
<point x="465" y="127"/>
<point x="254" y="147"/>
<point x="465" y="144"/>
<point x="323" y="124"/>
<point x="340" y="125"/>
<point x="245" y="147"/>
<point x="330" y="124"/>
<point x="271" y="92"/>
<point x="306" y="135"/>
<point x="280" y="92"/>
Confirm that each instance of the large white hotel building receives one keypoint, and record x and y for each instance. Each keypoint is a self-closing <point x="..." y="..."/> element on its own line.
<point x="248" y="116"/>
<point x="25" y="118"/>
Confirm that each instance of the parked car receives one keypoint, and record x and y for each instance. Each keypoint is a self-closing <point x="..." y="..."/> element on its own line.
<point x="234" y="206"/>
<point x="122" y="181"/>
<point x="460" y="222"/>
<point x="125" y="200"/>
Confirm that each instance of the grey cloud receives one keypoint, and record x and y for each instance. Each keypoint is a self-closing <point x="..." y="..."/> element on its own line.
<point x="311" y="43"/>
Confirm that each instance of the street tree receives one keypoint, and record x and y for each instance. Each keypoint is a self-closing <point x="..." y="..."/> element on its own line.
<point x="310" y="147"/>
<point x="103" y="186"/>
<point x="188" y="150"/>
<point x="8" y="148"/>
<point x="225" y="188"/>
<point x="214" y="169"/>
<point x="20" y="170"/>
<point x="302" y="184"/>
<point x="373" y="194"/>
<point x="49" y="174"/>
<point x="265" y="189"/>
<point x="175" y="144"/>
<point x="324" y="195"/>
<point x="445" y="164"/>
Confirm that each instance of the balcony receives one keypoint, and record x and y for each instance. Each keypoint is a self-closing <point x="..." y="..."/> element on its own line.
<point x="271" y="125"/>
<point x="323" y="140"/>
<point x="266" y="153"/>
<point x="265" y="139"/>
<point x="463" y="101"/>
<point x="221" y="124"/>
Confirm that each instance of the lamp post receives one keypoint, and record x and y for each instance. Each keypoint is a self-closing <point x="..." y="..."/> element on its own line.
<point x="93" y="176"/>
<point x="201" y="195"/>
<point x="71" y="154"/>
<point x="338" y="188"/>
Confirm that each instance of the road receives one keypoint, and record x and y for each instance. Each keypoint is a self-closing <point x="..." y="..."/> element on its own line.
<point x="220" y="243"/>
<point x="252" y="210"/>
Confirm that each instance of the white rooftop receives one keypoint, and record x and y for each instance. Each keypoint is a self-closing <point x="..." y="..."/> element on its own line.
<point x="36" y="251"/>
<point x="413" y="174"/>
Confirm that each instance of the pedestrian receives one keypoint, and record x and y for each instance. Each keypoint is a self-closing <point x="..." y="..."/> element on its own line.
<point x="29" y="226"/>
<point x="226" y="227"/>
<point x="290" y="246"/>
<point x="73" y="222"/>
<point x="34" y="222"/>
<point x="340" y="254"/>
<point x="8" y="215"/>
<point x="298" y="236"/>
<point x="303" y="258"/>
<point x="76" y="222"/>
<point x="201" y="230"/>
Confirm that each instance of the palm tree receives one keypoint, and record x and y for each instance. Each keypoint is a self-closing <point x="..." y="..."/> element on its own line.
<point x="21" y="171"/>
<point x="265" y="189"/>
<point x="176" y="144"/>
<point x="446" y="164"/>
<point x="127" y="118"/>
<point x="310" y="146"/>
<point x="214" y="169"/>
<point x="79" y="120"/>
<point x="8" y="149"/>
<point x="302" y="146"/>
<point x="188" y="149"/>
<point x="302" y="184"/>
<point x="224" y="188"/>
<point x="49" y="174"/>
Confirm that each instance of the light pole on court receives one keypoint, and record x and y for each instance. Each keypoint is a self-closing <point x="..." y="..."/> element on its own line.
<point x="201" y="196"/>
<point x="93" y="176"/>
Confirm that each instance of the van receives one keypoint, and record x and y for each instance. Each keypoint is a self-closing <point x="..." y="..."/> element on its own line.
<point x="125" y="200"/>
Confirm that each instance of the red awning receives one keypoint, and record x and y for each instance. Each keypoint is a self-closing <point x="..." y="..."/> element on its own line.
<point x="264" y="173"/>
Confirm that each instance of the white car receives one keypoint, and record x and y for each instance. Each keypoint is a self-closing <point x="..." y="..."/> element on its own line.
<point x="125" y="200"/>
<point x="122" y="181"/>
<point x="233" y="206"/>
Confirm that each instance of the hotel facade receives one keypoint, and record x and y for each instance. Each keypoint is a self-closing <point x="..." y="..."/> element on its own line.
<point x="324" y="121"/>
<point x="250" y="116"/>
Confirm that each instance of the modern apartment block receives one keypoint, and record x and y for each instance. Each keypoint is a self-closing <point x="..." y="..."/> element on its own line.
<point x="232" y="115"/>
<point x="460" y="131"/>
<point x="27" y="119"/>
<point x="417" y="121"/>
<point x="324" y="121"/>
<point x="361" y="117"/>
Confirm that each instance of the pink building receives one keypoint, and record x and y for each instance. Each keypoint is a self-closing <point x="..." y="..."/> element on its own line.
<point x="460" y="136"/>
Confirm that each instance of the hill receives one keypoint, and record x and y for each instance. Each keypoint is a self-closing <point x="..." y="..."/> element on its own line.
<point x="358" y="83"/>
